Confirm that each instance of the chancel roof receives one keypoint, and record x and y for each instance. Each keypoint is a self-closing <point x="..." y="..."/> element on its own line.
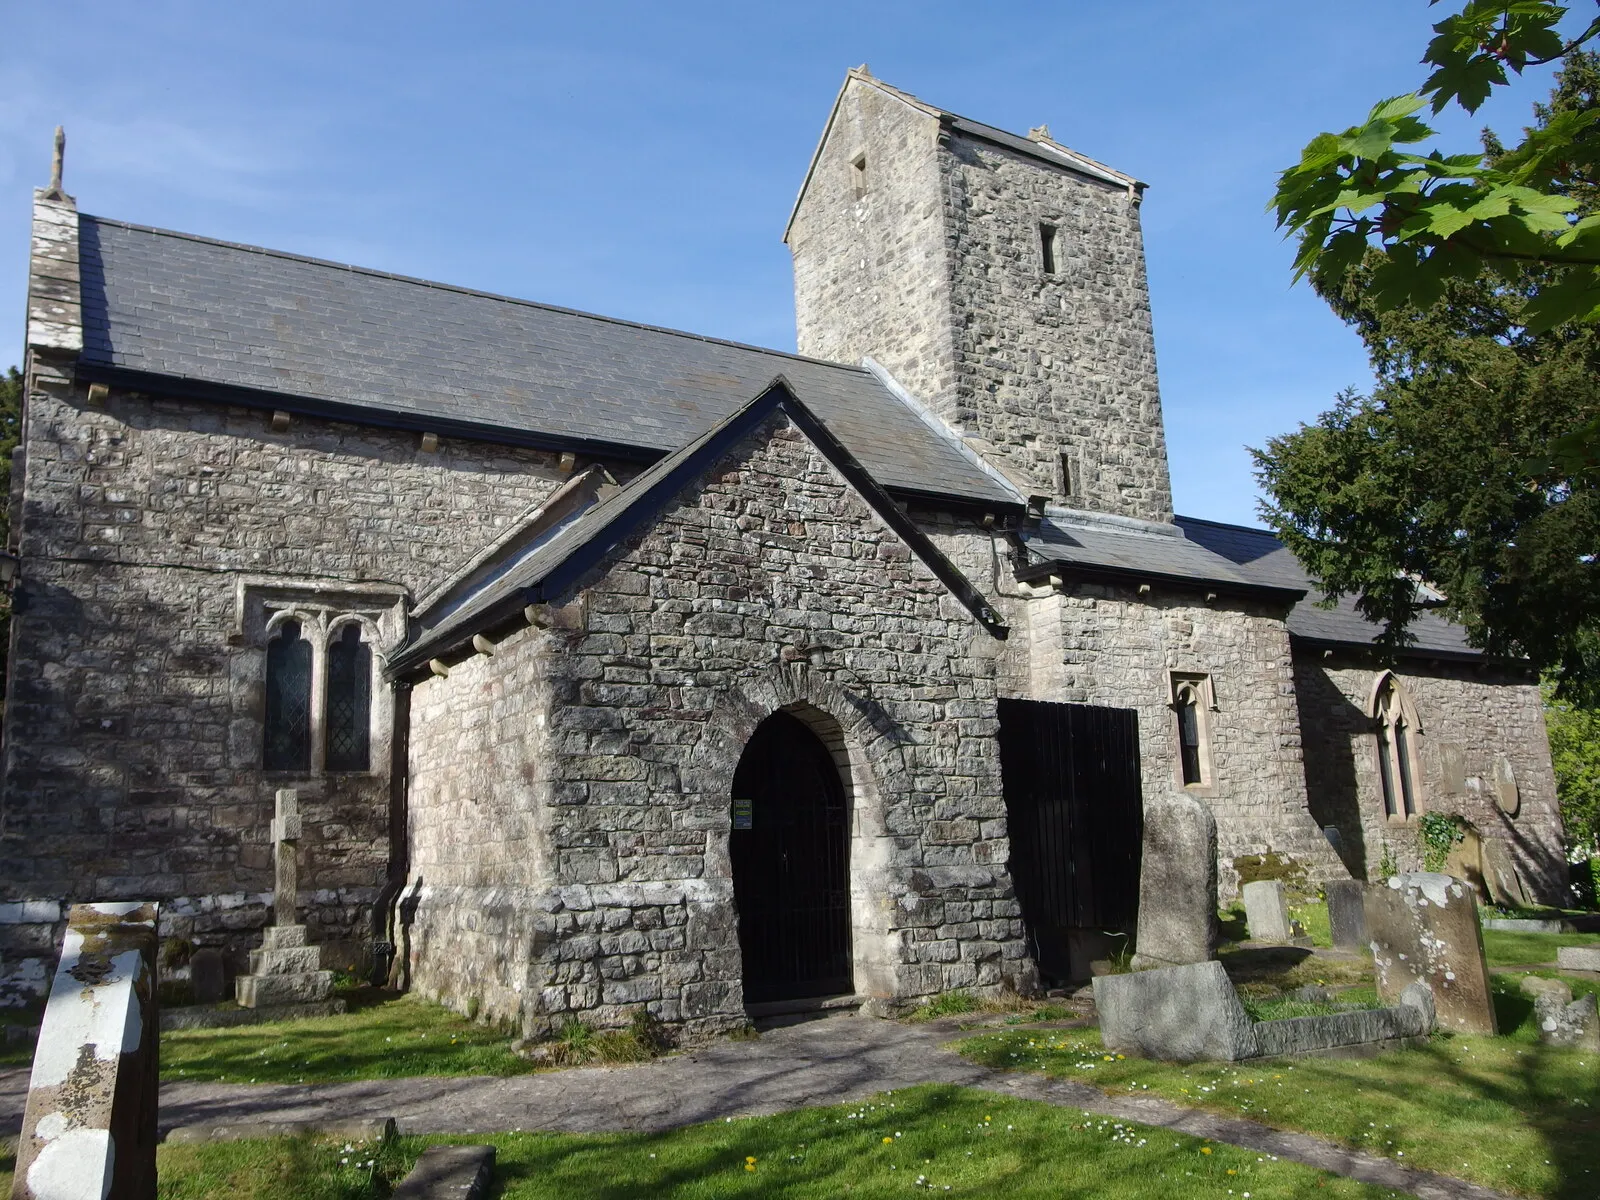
<point x="172" y="312"/>
<point x="1259" y="555"/>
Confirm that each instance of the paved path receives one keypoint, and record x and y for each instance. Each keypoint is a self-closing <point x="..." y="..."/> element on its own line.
<point x="813" y="1062"/>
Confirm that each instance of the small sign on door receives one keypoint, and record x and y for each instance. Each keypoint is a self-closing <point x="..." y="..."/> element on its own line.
<point x="743" y="814"/>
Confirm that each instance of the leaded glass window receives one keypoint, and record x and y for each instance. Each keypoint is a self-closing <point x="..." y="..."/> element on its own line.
<point x="1396" y="752"/>
<point x="287" y="741"/>
<point x="349" y="701"/>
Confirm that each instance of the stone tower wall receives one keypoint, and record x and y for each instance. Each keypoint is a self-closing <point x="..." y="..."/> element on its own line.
<point x="937" y="272"/>
<point x="1062" y="363"/>
<point x="871" y="270"/>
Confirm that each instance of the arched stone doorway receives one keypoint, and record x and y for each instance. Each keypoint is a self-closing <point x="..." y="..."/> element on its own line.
<point x="790" y="852"/>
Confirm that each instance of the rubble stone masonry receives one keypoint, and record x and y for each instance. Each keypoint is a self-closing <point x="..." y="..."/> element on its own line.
<point x="133" y="740"/>
<point x="601" y="759"/>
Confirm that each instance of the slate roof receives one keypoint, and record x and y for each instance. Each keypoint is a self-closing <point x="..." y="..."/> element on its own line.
<point x="1091" y="547"/>
<point x="544" y="572"/>
<point x="175" y="312"/>
<point x="1257" y="554"/>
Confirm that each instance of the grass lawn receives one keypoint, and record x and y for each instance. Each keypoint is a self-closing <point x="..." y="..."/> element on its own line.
<point x="1503" y="949"/>
<point x="1503" y="1111"/>
<point x="950" y="1141"/>
<point x="383" y="1037"/>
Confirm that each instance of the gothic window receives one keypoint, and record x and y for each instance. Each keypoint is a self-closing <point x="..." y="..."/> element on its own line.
<point x="1191" y="704"/>
<point x="287" y="741"/>
<point x="349" y="721"/>
<point x="1397" y="730"/>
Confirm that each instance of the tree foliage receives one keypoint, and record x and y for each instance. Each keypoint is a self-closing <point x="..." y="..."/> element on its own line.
<point x="1575" y="753"/>
<point x="1428" y="478"/>
<point x="1413" y="223"/>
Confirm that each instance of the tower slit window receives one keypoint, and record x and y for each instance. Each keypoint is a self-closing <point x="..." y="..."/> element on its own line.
<point x="349" y="701"/>
<point x="287" y="732"/>
<point x="858" y="175"/>
<point x="1047" y="247"/>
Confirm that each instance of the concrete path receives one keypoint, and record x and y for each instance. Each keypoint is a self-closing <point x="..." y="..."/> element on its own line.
<point x="827" y="1061"/>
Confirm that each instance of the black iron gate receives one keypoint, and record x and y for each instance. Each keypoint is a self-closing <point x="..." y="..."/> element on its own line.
<point x="1071" y="776"/>
<point x="790" y="852"/>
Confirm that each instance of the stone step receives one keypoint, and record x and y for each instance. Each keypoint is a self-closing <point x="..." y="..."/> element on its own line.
<point x="283" y="937"/>
<point x="258" y="991"/>
<point x="293" y="960"/>
<point x="449" y="1173"/>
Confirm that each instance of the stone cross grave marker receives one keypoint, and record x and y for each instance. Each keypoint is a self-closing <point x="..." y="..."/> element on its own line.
<point x="285" y="849"/>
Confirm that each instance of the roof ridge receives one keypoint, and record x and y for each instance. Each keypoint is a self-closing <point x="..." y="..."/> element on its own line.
<point x="436" y="285"/>
<point x="1226" y="525"/>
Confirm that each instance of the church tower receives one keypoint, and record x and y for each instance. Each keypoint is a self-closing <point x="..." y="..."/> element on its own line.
<point x="1000" y="280"/>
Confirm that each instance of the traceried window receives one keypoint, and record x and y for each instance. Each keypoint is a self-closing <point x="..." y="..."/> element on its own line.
<point x="1191" y="705"/>
<point x="1397" y="731"/>
<point x="349" y="721"/>
<point x="318" y="703"/>
<point x="288" y="702"/>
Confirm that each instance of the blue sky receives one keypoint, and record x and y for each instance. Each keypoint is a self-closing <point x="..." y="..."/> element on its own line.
<point x="639" y="160"/>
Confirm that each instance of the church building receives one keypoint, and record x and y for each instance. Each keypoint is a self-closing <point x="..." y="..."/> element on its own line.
<point x="618" y="666"/>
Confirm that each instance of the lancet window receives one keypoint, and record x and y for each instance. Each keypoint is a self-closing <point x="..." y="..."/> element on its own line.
<point x="1397" y="730"/>
<point x="319" y="682"/>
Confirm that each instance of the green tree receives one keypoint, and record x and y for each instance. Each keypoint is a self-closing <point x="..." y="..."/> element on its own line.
<point x="1575" y="752"/>
<point x="1427" y="478"/>
<point x="1412" y="223"/>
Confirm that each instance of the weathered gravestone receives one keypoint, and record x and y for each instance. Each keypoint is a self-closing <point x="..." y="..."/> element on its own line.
<point x="1500" y="875"/>
<point x="1177" y="883"/>
<point x="89" y="1129"/>
<point x="1578" y="958"/>
<point x="1423" y="928"/>
<point x="1266" y="911"/>
<point x="284" y="974"/>
<point x="1180" y="1014"/>
<point x="208" y="980"/>
<point x="1561" y="1020"/>
<point x="1347" y="917"/>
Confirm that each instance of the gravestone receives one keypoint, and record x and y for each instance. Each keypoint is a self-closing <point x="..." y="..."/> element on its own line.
<point x="1561" y="1020"/>
<point x="89" y="1128"/>
<point x="1500" y="875"/>
<point x="1179" y="1014"/>
<point x="1423" y="928"/>
<point x="1347" y="917"/>
<point x="208" y="979"/>
<point x="1578" y="958"/>
<point x="285" y="974"/>
<point x="1177" y="883"/>
<point x="1266" y="911"/>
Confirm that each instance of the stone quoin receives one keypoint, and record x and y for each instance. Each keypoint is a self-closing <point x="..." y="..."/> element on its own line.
<point x="612" y="666"/>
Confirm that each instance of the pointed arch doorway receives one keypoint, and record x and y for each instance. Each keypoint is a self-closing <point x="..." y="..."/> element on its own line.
<point x="789" y="847"/>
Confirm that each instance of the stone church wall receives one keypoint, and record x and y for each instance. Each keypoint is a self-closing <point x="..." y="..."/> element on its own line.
<point x="1058" y="363"/>
<point x="1103" y="644"/>
<point x="133" y="744"/>
<point x="770" y="585"/>
<point x="935" y="269"/>
<point x="1469" y="721"/>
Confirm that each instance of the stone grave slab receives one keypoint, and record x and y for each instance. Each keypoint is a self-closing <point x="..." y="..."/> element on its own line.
<point x="1267" y="911"/>
<point x="89" y="1128"/>
<point x="1181" y="1014"/>
<point x="1347" y="915"/>
<point x="208" y="977"/>
<point x="1578" y="958"/>
<point x="1177" y="883"/>
<point x="1423" y="928"/>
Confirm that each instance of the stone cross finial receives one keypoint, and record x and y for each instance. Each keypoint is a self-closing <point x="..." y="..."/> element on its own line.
<point x="285" y="839"/>
<point x="1040" y="133"/>
<point x="54" y="192"/>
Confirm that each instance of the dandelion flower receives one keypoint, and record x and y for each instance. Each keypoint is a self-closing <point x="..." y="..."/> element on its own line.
<point x="1205" y="1149"/>
<point x="887" y="1140"/>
